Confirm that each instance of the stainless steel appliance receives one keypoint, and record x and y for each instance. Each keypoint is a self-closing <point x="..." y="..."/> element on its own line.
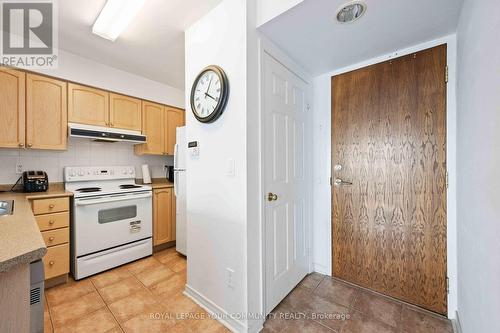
<point x="112" y="218"/>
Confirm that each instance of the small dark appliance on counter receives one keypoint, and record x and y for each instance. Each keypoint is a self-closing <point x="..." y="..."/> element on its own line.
<point x="170" y="173"/>
<point x="35" y="181"/>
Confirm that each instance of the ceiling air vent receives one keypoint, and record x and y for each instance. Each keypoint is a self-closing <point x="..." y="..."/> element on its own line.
<point x="350" y="12"/>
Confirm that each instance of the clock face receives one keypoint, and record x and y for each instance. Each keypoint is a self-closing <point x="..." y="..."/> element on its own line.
<point x="209" y="94"/>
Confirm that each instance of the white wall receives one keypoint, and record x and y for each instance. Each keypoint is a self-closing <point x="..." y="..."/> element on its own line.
<point x="81" y="70"/>
<point x="479" y="167"/>
<point x="216" y="202"/>
<point x="81" y="152"/>
<point x="269" y="9"/>
<point x="322" y="252"/>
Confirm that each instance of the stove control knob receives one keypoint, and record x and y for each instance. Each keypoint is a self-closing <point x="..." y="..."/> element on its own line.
<point x="72" y="174"/>
<point x="124" y="172"/>
<point x="81" y="173"/>
<point x="131" y="172"/>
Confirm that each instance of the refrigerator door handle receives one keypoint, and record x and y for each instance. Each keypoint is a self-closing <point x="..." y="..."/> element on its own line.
<point x="176" y="151"/>
<point x="175" y="182"/>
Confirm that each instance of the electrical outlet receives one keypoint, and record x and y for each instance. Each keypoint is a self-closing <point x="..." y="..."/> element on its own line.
<point x="229" y="277"/>
<point x="19" y="168"/>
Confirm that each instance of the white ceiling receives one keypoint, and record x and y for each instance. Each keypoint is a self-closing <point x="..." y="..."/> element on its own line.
<point x="152" y="46"/>
<point x="310" y="34"/>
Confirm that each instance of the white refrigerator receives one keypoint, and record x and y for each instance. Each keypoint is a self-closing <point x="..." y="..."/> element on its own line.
<point x="180" y="155"/>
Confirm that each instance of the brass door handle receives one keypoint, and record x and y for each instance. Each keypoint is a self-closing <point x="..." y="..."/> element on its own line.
<point x="21" y="145"/>
<point x="51" y="206"/>
<point x="272" y="197"/>
<point x="51" y="263"/>
<point x="51" y="239"/>
<point x="30" y="145"/>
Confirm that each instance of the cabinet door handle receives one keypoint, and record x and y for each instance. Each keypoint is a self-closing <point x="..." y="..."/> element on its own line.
<point x="51" y="238"/>
<point x="51" y="222"/>
<point x="51" y="206"/>
<point x="51" y="263"/>
<point x="21" y="145"/>
<point x="30" y="145"/>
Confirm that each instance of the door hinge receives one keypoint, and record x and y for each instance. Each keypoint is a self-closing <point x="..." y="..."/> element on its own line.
<point x="447" y="285"/>
<point x="446" y="75"/>
<point x="447" y="180"/>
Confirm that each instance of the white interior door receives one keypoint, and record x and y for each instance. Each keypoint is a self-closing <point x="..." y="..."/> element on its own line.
<point x="285" y="185"/>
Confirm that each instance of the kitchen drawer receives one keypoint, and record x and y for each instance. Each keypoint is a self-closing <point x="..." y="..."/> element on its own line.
<point x="56" y="261"/>
<point x="54" y="205"/>
<point x="56" y="237"/>
<point x="52" y="221"/>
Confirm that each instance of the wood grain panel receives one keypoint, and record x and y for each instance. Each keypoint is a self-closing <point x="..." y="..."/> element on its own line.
<point x="88" y="105"/>
<point x="47" y="206"/>
<point x="153" y="126"/>
<point x="162" y="216"/>
<point x="56" y="261"/>
<point x="46" y="113"/>
<point x="52" y="221"/>
<point x="12" y="108"/>
<point x="125" y="112"/>
<point x="389" y="135"/>
<point x="174" y="119"/>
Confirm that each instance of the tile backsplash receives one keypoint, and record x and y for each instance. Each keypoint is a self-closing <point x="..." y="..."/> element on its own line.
<point x="81" y="152"/>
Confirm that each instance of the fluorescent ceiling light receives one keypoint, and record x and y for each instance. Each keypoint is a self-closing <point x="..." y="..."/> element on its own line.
<point x="115" y="17"/>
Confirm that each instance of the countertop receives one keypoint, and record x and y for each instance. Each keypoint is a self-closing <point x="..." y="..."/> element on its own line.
<point x="20" y="239"/>
<point x="157" y="183"/>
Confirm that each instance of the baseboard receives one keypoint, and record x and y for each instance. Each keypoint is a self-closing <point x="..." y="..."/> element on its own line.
<point x="457" y="327"/>
<point x="233" y="324"/>
<point x="318" y="268"/>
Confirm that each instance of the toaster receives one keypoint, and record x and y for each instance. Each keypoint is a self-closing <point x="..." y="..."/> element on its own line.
<point x="35" y="181"/>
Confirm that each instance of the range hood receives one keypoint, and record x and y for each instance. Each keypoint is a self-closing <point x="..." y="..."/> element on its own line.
<point x="105" y="134"/>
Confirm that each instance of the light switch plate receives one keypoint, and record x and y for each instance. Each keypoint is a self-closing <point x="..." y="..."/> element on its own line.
<point x="230" y="167"/>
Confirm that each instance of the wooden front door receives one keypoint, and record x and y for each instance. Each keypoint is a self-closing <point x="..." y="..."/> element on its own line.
<point x="389" y="141"/>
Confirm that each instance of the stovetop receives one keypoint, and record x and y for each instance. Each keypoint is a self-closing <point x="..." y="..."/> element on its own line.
<point x="101" y="181"/>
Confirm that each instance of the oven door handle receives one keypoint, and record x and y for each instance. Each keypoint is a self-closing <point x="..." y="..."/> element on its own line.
<point x="87" y="202"/>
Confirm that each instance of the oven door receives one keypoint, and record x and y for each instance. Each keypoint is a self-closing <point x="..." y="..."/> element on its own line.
<point x="104" y="222"/>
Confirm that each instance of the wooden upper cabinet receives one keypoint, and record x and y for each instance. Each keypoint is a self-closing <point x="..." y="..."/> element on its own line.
<point x="153" y="126"/>
<point x="175" y="118"/>
<point x="12" y="108"/>
<point x="163" y="227"/>
<point x="125" y="112"/>
<point x="46" y="113"/>
<point x="88" y="105"/>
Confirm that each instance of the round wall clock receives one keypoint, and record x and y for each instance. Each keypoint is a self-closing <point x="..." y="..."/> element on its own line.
<point x="209" y="94"/>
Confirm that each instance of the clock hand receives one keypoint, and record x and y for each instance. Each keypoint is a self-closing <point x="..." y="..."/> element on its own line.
<point x="208" y="95"/>
<point x="209" y="84"/>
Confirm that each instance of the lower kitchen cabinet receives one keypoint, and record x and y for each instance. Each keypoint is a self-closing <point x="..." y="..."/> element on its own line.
<point x="52" y="216"/>
<point x="163" y="216"/>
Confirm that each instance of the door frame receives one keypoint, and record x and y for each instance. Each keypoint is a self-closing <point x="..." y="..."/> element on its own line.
<point x="268" y="49"/>
<point x="451" y="130"/>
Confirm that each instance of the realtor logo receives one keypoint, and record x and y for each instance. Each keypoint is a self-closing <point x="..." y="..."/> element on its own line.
<point x="29" y="38"/>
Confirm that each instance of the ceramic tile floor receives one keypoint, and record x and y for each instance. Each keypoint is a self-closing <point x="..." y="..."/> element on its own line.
<point x="344" y="308"/>
<point x="123" y="300"/>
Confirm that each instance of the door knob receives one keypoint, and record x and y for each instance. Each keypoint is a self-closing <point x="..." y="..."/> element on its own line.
<point x="340" y="182"/>
<point x="272" y="197"/>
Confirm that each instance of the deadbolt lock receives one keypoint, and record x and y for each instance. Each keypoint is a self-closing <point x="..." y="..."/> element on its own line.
<point x="272" y="197"/>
